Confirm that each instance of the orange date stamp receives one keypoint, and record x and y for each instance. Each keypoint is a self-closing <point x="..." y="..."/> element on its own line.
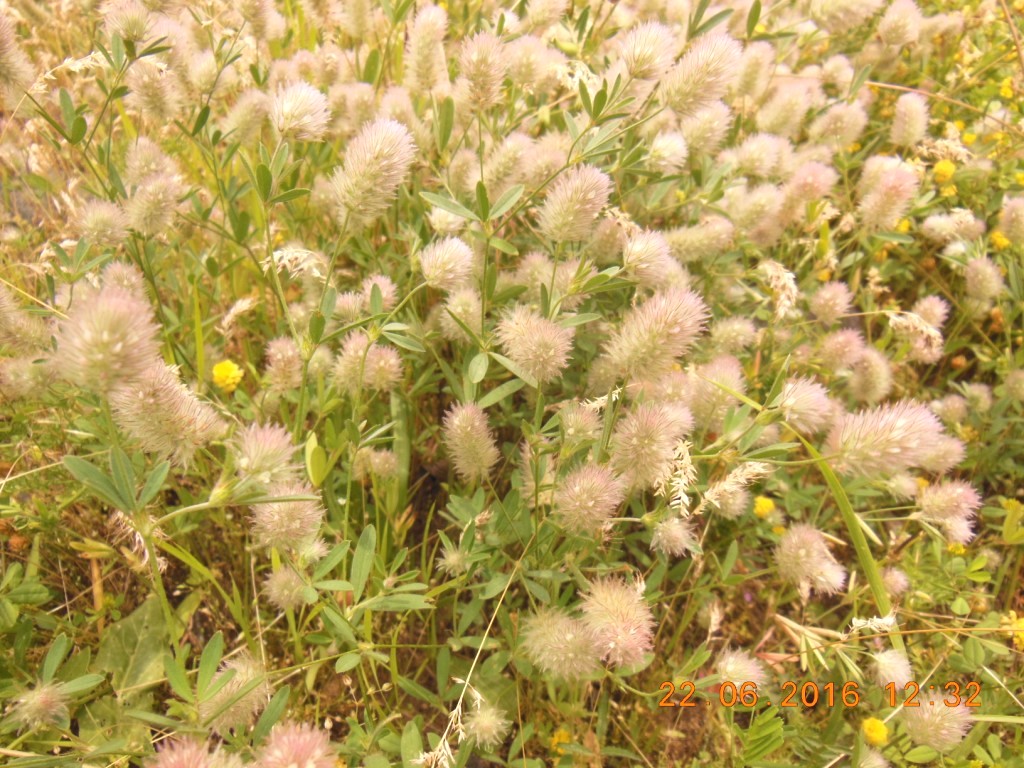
<point x="810" y="694"/>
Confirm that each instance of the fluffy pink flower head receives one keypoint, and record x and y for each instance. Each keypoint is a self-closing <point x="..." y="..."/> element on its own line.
<point x="469" y="442"/>
<point x="936" y="725"/>
<point x="265" y="453"/>
<point x="560" y="645"/>
<point x="377" y="161"/>
<point x="805" y="405"/>
<point x="621" y="621"/>
<point x="181" y="753"/>
<point x="537" y="345"/>
<point x="108" y="338"/>
<point x="653" y="335"/>
<point x="703" y="74"/>
<point x="164" y="416"/>
<point x="883" y="440"/>
<point x="739" y="667"/>
<point x="575" y="199"/>
<point x="289" y="525"/>
<point x="294" y="745"/>
<point x="951" y="504"/>
<point x="804" y="558"/>
<point x="644" y="442"/>
<point x="587" y="497"/>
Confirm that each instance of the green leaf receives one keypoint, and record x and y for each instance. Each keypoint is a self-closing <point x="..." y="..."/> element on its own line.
<point x="504" y="203"/>
<point x="960" y="607"/>
<point x="753" y="17"/>
<point x="515" y="369"/>
<point x="362" y="561"/>
<point x="78" y="130"/>
<point x="177" y="678"/>
<point x="399" y="603"/>
<point x="81" y="684"/>
<point x="29" y="593"/>
<point x="445" y="123"/>
<point x="132" y="650"/>
<point x="482" y="202"/>
<point x="201" y="118"/>
<point x="403" y="341"/>
<point x="334" y="585"/>
<point x="54" y="657"/>
<point x="585" y="99"/>
<point x="154" y="483"/>
<point x="329" y="563"/>
<point x="920" y="755"/>
<point x="412" y="744"/>
<point x="291" y="194"/>
<point x="93" y="478"/>
<point x="447" y="204"/>
<point x="316" y="461"/>
<point x="347" y="662"/>
<point x="372" y="68"/>
<point x="123" y="475"/>
<point x="478" y="367"/>
<point x="713" y="22"/>
<point x="208" y="664"/>
<point x="498" y="394"/>
<point x="271" y="714"/>
<point x="504" y="246"/>
<point x="264" y="182"/>
<point x="67" y="109"/>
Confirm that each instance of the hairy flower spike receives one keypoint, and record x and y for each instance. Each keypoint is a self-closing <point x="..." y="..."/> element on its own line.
<point x="287" y="525"/>
<point x="621" y="621"/>
<point x="446" y="264"/>
<point x="108" y="338"/>
<point x="648" y="50"/>
<point x="231" y="708"/>
<point x="803" y="558"/>
<point x="300" y="111"/>
<point x="560" y="645"/>
<point x="538" y="345"/>
<point x="654" y="334"/>
<point x="935" y="724"/>
<point x="425" y="64"/>
<point x="587" y="497"/>
<point x="884" y="440"/>
<point x="377" y="162"/>
<point x="703" y="74"/>
<point x="295" y="745"/>
<point x="164" y="416"/>
<point x="575" y="199"/>
<point x="469" y="442"/>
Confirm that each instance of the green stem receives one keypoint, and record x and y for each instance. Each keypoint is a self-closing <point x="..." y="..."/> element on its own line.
<point x="860" y="542"/>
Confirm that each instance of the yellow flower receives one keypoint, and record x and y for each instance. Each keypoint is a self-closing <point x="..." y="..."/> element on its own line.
<point x="226" y="375"/>
<point x="824" y="275"/>
<point x="903" y="226"/>
<point x="876" y="733"/>
<point x="969" y="139"/>
<point x="922" y="483"/>
<point x="948" y="191"/>
<point x="1012" y="621"/>
<point x="763" y="506"/>
<point x="943" y="171"/>
<point x="778" y="530"/>
<point x="999" y="241"/>
<point x="956" y="548"/>
<point x="1006" y="89"/>
<point x="561" y="736"/>
<point x="1019" y="176"/>
<point x="959" y="124"/>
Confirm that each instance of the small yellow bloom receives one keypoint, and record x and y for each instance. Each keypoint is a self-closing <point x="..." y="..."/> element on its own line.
<point x="956" y="548"/>
<point x="876" y="733"/>
<point x="778" y="530"/>
<point x="226" y="375"/>
<point x="943" y="171"/>
<point x="1019" y="176"/>
<point x="903" y="226"/>
<point x="763" y="506"/>
<point x="922" y="483"/>
<point x="948" y="191"/>
<point x="1016" y="623"/>
<point x="824" y="275"/>
<point x="855" y="147"/>
<point x="1006" y="89"/>
<point x="999" y="241"/>
<point x="959" y="124"/>
<point x="561" y="736"/>
<point x="969" y="139"/>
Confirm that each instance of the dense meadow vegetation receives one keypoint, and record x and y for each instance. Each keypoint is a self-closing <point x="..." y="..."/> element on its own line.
<point x="551" y="383"/>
